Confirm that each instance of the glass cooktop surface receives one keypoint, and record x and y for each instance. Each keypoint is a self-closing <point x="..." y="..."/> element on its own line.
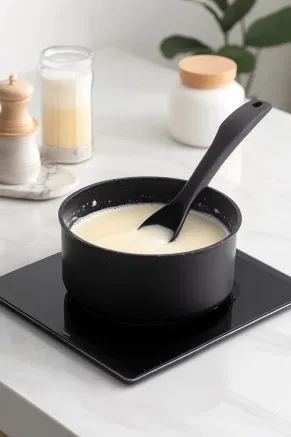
<point x="36" y="292"/>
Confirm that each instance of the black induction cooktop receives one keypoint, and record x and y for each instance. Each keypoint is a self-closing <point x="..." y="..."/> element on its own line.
<point x="131" y="353"/>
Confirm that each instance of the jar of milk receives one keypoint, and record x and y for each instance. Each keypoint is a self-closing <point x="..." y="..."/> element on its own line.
<point x="66" y="82"/>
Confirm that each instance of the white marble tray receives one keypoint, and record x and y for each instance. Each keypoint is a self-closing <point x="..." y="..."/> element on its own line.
<point x="53" y="181"/>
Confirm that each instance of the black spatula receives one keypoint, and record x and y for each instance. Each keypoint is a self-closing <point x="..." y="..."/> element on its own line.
<point x="230" y="134"/>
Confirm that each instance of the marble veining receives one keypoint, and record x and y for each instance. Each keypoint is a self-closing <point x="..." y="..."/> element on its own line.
<point x="240" y="387"/>
<point x="66" y="155"/>
<point x="53" y="181"/>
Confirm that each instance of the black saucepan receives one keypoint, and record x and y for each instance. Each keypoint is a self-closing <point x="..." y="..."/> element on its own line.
<point x="147" y="289"/>
<point x="157" y="289"/>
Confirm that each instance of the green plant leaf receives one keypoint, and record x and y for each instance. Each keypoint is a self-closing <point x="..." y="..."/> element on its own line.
<point x="222" y="4"/>
<point x="202" y="51"/>
<point x="235" y="12"/>
<point x="176" y="44"/>
<point x="246" y="61"/>
<point x="273" y="30"/>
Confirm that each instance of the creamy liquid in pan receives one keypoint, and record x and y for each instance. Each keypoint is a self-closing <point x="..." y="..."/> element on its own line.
<point x="117" y="229"/>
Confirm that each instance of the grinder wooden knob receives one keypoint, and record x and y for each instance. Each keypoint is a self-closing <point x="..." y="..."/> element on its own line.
<point x="20" y="161"/>
<point x="15" y="120"/>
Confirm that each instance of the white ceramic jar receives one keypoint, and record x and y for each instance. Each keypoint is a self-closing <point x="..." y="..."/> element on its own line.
<point x="205" y="95"/>
<point x="19" y="154"/>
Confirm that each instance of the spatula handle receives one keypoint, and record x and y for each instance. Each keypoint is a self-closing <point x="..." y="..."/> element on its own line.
<point x="230" y="134"/>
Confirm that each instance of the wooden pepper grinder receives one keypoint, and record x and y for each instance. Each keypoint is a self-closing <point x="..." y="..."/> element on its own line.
<point x="19" y="154"/>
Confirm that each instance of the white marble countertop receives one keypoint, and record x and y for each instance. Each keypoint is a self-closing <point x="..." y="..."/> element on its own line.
<point x="240" y="387"/>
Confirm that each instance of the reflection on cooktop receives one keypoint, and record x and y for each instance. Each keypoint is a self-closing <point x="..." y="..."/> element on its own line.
<point x="143" y="343"/>
<point x="37" y="293"/>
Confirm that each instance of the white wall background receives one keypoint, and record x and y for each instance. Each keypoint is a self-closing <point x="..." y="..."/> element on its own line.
<point x="26" y="27"/>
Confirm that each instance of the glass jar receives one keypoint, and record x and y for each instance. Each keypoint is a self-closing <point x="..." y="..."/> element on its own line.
<point x="66" y="83"/>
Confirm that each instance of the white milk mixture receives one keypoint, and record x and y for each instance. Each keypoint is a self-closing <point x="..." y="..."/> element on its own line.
<point x="66" y="109"/>
<point x="117" y="229"/>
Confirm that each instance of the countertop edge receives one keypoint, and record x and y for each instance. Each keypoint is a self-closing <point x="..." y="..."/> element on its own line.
<point x="20" y="418"/>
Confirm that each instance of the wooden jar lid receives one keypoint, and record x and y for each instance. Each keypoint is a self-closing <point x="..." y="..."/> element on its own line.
<point x="15" y="119"/>
<point x="207" y="71"/>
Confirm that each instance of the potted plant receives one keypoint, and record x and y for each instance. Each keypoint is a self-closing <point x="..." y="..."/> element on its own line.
<point x="269" y="31"/>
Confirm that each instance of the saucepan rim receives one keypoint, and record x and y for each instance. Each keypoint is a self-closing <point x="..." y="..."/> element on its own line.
<point x="196" y="251"/>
